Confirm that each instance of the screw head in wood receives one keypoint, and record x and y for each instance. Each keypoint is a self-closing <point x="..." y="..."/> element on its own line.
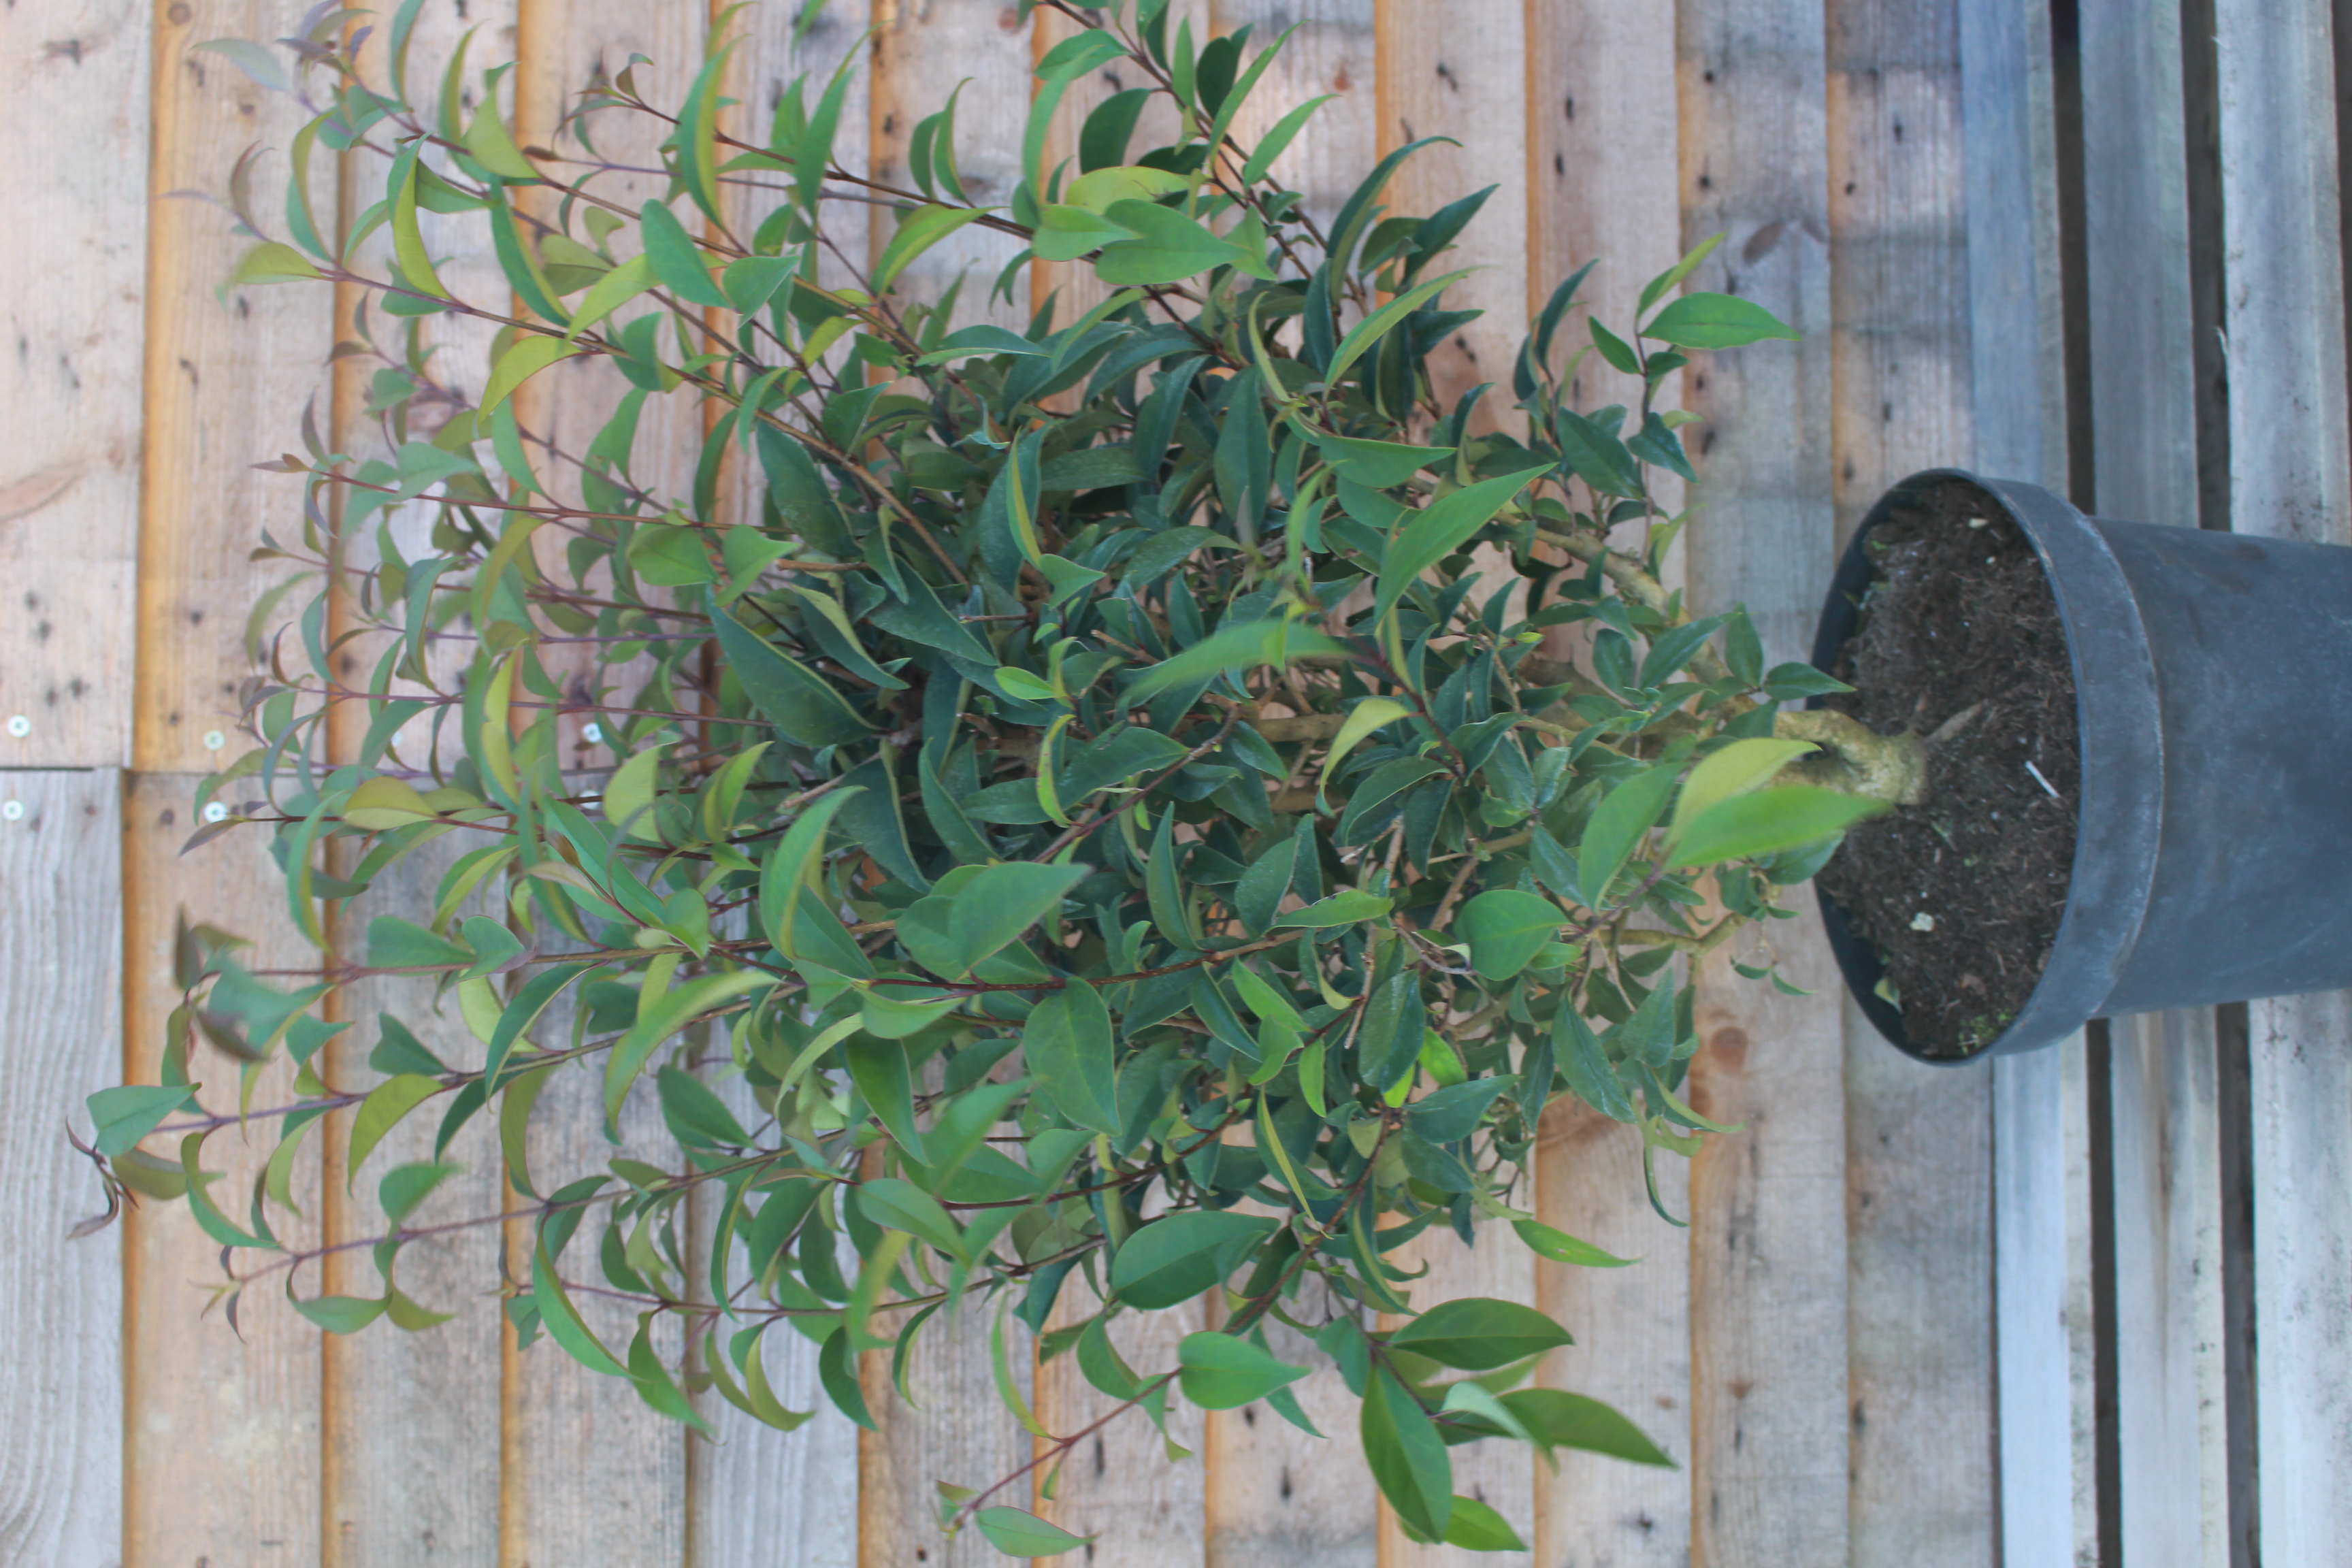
<point x="19" y="726"/>
<point x="215" y="812"/>
<point x="12" y="810"/>
<point x="215" y="740"/>
<point x="593" y="732"/>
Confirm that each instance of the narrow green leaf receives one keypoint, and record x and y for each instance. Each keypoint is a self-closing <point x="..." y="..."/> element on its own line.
<point x="1407" y="1457"/>
<point x="1067" y="1043"/>
<point x="1702" y="320"/>
<point x="1768" y="822"/>
<point x="1017" y="1532"/>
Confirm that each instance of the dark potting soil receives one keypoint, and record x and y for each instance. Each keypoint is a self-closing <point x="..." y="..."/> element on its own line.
<point x="1960" y="641"/>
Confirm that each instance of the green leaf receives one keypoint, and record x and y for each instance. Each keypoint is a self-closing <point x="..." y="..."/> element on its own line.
<point x="1479" y="1333"/>
<point x="676" y="260"/>
<point x="395" y="944"/>
<point x="271" y="262"/>
<point x="1348" y="906"/>
<point x="1559" y="1419"/>
<point x="562" y="1320"/>
<point x="1563" y="1247"/>
<point x="1738" y="769"/>
<point x="1505" y="928"/>
<point x="1702" y="320"/>
<point x="663" y="1018"/>
<point x="789" y="873"/>
<point x="1479" y="1528"/>
<point x="921" y="229"/>
<point x="1221" y="1373"/>
<point x="530" y="354"/>
<point x="1617" y="827"/>
<point x="1234" y="649"/>
<point x="698" y="1118"/>
<point x="1443" y="527"/>
<point x="405" y="1187"/>
<point x="1599" y="458"/>
<point x="880" y="1070"/>
<point x="1407" y="1457"/>
<point x="1068" y="1044"/>
<point x="124" y="1115"/>
<point x="1381" y="322"/>
<point x="1372" y="713"/>
<point x="1175" y="1259"/>
<point x="1377" y="465"/>
<point x="1655" y="289"/>
<point x="899" y="1205"/>
<point x="1278" y="140"/>
<point x="1017" y="1532"/>
<point x="802" y="704"/>
<point x="610" y="292"/>
<point x="341" y="1314"/>
<point x="1000" y="903"/>
<point x="380" y="1113"/>
<point x="1168" y="248"/>
<point x="1768" y="822"/>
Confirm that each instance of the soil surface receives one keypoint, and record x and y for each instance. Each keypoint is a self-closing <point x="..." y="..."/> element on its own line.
<point x="1960" y="641"/>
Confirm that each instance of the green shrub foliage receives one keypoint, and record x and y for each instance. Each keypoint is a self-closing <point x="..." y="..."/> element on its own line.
<point x="1096" y="825"/>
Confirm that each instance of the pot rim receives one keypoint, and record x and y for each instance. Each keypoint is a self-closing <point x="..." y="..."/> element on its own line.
<point x="2119" y="730"/>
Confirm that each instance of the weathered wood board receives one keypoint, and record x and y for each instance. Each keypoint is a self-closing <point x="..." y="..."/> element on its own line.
<point x="61" y="1457"/>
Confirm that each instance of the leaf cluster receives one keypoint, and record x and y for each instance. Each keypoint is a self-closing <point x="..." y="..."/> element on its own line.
<point x="1058" y="821"/>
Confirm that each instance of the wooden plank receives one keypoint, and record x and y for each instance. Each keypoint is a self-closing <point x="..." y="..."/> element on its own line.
<point x="1280" y="1499"/>
<point x="2288" y="456"/>
<point x="1460" y="71"/>
<point x="588" y="1473"/>
<point x="2040" y="1128"/>
<point x="2172" y="1396"/>
<point x="61" y="1460"/>
<point x="756" y="1485"/>
<point x="1918" y="1139"/>
<point x="958" y="1432"/>
<point x="923" y="48"/>
<point x="1119" y="1486"/>
<point x="2042" y="1209"/>
<point x="1332" y="53"/>
<point x="411" y="1421"/>
<point x="1276" y="1497"/>
<point x="1767" y="1244"/>
<point x="1602" y="142"/>
<point x="2139" y="236"/>
<point x="221" y="1427"/>
<point x="1633" y="1328"/>
<point x="223" y="386"/>
<point x="74" y="103"/>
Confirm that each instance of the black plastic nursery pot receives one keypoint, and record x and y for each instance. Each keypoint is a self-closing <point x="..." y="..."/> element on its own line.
<point x="2213" y="699"/>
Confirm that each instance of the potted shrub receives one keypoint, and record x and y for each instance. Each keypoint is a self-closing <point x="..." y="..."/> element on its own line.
<point x="2114" y="795"/>
<point x="1099" y="822"/>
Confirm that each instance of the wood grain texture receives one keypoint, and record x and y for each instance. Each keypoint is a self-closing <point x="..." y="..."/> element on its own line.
<point x="2171" y="1398"/>
<point x="221" y="1434"/>
<point x="1499" y="1474"/>
<point x="1278" y="1498"/>
<point x="1633" y="1334"/>
<point x="1767" y="1205"/>
<point x="1603" y="138"/>
<point x="2281" y="217"/>
<point x="956" y="1431"/>
<point x="1119" y="1486"/>
<point x="923" y="48"/>
<point x="1331" y="53"/>
<point x="590" y="1475"/>
<point x="74" y="105"/>
<point x="225" y="385"/>
<point x="2040" y="1131"/>
<point x="2042" y="1220"/>
<point x="1918" y="1145"/>
<point x="1459" y="70"/>
<point x="2168" y="1227"/>
<point x="61" y="1456"/>
<point x="411" y="1421"/>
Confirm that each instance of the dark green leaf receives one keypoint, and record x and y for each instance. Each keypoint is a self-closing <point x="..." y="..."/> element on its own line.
<point x="1557" y="1419"/>
<point x="1175" y="1259"/>
<point x="1017" y="1532"/>
<point x="1068" y="1044"/>
<point x="129" y="1113"/>
<point x="1221" y="1373"/>
<point x="1505" y="928"/>
<point x="1703" y="321"/>
<point x="1407" y="1457"/>
<point x="1479" y="1333"/>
